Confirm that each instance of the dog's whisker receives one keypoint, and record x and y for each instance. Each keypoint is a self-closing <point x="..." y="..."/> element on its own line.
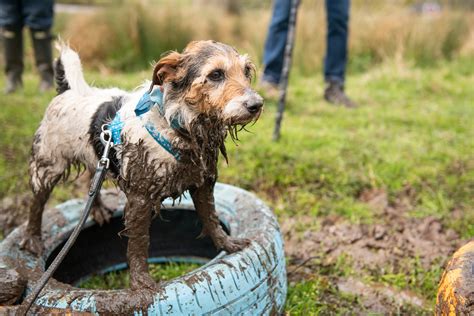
<point x="248" y="131"/>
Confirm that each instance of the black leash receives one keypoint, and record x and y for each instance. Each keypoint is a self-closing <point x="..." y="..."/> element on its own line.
<point x="96" y="184"/>
<point x="290" y="41"/>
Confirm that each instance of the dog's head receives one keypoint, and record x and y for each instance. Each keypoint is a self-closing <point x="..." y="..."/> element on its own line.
<point x="208" y="78"/>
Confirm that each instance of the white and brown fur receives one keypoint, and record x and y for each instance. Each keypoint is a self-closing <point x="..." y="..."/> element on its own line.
<point x="208" y="85"/>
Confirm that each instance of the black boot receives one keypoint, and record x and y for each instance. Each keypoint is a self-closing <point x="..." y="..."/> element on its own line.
<point x="44" y="58"/>
<point x="13" y="53"/>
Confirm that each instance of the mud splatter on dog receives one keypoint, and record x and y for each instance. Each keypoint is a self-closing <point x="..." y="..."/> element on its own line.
<point x="206" y="95"/>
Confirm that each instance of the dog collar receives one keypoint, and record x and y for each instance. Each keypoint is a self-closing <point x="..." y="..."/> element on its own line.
<point x="144" y="105"/>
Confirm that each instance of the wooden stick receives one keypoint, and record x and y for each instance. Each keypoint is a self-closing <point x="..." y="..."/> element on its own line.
<point x="283" y="86"/>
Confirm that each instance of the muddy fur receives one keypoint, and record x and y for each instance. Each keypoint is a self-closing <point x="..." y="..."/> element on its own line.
<point x="206" y="88"/>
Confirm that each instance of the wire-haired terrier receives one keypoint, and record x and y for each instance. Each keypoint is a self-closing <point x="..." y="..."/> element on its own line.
<point x="167" y="137"/>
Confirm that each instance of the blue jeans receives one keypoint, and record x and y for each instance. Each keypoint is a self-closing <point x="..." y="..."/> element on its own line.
<point x="36" y="14"/>
<point x="336" y="48"/>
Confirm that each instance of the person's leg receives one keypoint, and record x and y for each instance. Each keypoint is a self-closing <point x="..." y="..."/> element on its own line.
<point x="38" y="16"/>
<point x="337" y="12"/>
<point x="276" y="40"/>
<point x="11" y="32"/>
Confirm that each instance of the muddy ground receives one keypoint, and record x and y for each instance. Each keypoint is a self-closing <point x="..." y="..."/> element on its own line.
<point x="395" y="242"/>
<point x="14" y="208"/>
<point x="366" y="250"/>
<point x="13" y="212"/>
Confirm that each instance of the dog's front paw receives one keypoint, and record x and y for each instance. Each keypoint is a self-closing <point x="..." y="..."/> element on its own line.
<point x="101" y="214"/>
<point x="32" y="243"/>
<point x="232" y="245"/>
<point x="142" y="281"/>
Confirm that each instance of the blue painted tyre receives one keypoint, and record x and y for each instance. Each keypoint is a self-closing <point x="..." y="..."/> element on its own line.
<point x="251" y="282"/>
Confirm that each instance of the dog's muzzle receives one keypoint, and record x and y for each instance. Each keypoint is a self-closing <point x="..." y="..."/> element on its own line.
<point x="244" y="108"/>
<point x="254" y="102"/>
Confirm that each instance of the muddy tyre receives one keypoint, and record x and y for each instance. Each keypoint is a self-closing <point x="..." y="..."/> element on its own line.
<point x="252" y="281"/>
<point x="456" y="289"/>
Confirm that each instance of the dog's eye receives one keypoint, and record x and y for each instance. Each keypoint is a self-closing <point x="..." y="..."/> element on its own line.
<point x="216" y="75"/>
<point x="248" y="72"/>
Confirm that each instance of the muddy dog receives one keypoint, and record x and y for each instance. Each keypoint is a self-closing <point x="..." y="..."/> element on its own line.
<point x="168" y="140"/>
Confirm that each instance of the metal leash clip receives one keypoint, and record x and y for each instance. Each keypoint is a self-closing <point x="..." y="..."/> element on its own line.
<point x="106" y="140"/>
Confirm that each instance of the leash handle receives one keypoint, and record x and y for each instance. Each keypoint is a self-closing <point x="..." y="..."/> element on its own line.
<point x="96" y="184"/>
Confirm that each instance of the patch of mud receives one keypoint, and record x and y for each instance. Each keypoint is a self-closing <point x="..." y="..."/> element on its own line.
<point x="393" y="241"/>
<point x="379" y="298"/>
<point x="394" y="237"/>
<point x="375" y="246"/>
<point x="13" y="211"/>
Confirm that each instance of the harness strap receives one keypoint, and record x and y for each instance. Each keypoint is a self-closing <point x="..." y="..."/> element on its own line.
<point x="116" y="127"/>
<point x="160" y="139"/>
<point x="144" y="105"/>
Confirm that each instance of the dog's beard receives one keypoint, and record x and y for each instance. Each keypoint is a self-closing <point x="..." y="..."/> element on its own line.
<point x="207" y="134"/>
<point x="235" y="129"/>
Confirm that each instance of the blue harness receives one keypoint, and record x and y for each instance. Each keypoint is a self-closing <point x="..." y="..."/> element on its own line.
<point x="147" y="101"/>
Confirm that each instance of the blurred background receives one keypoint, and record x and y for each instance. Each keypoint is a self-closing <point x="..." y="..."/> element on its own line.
<point x="372" y="202"/>
<point x="119" y="35"/>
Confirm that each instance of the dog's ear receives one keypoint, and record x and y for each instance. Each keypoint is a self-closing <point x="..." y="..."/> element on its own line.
<point x="165" y="69"/>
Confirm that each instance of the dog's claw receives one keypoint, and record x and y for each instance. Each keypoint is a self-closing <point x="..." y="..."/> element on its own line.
<point x="101" y="214"/>
<point x="32" y="243"/>
<point x="232" y="245"/>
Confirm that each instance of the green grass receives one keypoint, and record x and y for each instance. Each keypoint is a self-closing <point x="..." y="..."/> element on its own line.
<point x="314" y="296"/>
<point x="120" y="279"/>
<point x="413" y="130"/>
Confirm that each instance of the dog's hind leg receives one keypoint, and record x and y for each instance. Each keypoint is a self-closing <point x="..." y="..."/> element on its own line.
<point x="100" y="213"/>
<point x="43" y="177"/>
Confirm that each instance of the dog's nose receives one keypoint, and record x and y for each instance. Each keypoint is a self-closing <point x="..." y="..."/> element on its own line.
<point x="254" y="104"/>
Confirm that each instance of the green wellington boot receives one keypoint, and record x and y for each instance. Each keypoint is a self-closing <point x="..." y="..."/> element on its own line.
<point x="13" y="54"/>
<point x="44" y="58"/>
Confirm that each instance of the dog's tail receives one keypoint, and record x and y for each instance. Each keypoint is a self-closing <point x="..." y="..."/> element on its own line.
<point x="68" y="72"/>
